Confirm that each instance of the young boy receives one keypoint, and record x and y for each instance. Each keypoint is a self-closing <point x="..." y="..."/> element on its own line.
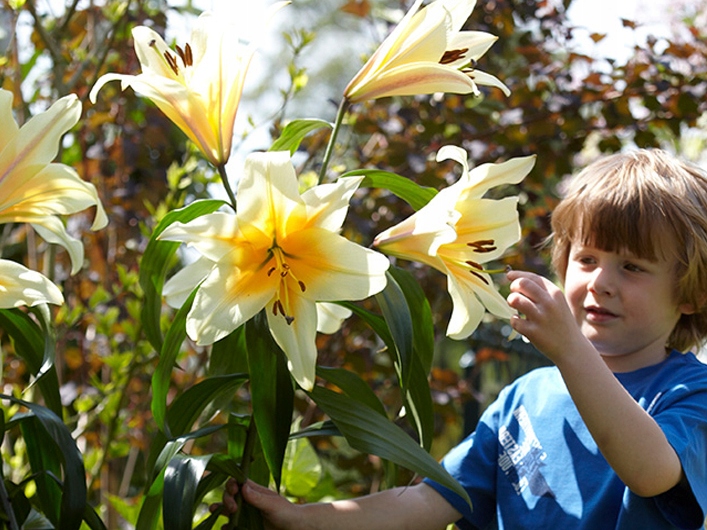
<point x="614" y="436"/>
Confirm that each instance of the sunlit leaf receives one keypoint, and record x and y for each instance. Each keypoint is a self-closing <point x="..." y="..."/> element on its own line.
<point x="294" y="132"/>
<point x="168" y="357"/>
<point x="372" y="434"/>
<point x="414" y="194"/>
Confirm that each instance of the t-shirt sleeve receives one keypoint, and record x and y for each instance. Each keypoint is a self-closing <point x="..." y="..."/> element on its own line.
<point x="473" y="464"/>
<point x="683" y="419"/>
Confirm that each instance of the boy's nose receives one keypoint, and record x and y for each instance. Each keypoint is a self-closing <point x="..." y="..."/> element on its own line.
<point x="601" y="282"/>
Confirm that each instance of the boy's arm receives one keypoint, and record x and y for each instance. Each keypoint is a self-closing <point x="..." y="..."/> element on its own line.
<point x="417" y="507"/>
<point x="628" y="437"/>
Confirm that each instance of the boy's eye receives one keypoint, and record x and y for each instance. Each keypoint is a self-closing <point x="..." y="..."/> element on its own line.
<point x="633" y="267"/>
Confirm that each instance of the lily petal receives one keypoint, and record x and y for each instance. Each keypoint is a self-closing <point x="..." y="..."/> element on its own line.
<point x="20" y="286"/>
<point x="177" y="289"/>
<point x="33" y="190"/>
<point x="297" y="340"/>
<point x="330" y="317"/>
<point x="425" y="53"/>
<point x="458" y="244"/>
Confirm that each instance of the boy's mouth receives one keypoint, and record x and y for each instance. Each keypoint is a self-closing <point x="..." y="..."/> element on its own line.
<point x="598" y="313"/>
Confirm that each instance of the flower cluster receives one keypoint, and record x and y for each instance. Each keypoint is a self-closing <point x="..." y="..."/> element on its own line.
<point x="36" y="191"/>
<point x="280" y="250"/>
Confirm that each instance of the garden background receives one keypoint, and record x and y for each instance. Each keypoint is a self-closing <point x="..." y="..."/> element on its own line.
<point x="567" y="106"/>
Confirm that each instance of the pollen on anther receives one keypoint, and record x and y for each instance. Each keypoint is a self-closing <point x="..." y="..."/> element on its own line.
<point x="272" y="269"/>
<point x="302" y="285"/>
<point x="453" y="55"/>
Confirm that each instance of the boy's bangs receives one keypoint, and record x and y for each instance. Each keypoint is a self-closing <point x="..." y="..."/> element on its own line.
<point x="621" y="228"/>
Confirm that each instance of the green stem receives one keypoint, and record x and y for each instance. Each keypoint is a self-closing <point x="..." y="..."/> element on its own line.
<point x="246" y="458"/>
<point x="340" y="113"/>
<point x="224" y="178"/>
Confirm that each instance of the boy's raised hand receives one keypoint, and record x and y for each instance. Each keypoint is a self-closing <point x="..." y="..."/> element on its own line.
<point x="546" y="319"/>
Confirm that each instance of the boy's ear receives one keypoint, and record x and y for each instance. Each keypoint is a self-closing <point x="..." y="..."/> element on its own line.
<point x="688" y="308"/>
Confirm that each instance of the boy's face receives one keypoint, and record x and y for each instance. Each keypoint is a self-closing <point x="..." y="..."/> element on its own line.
<point x="624" y="305"/>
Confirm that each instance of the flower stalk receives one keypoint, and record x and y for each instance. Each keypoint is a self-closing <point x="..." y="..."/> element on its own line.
<point x="340" y="113"/>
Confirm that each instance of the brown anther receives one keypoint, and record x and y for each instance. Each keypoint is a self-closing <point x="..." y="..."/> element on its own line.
<point x="172" y="62"/>
<point x="189" y="58"/>
<point x="475" y="265"/>
<point x="482" y="246"/>
<point x="272" y="269"/>
<point x="452" y="55"/>
<point x="152" y="43"/>
<point x="185" y="55"/>
<point x="288" y="319"/>
<point x="281" y="309"/>
<point x="302" y="285"/>
<point x="479" y="276"/>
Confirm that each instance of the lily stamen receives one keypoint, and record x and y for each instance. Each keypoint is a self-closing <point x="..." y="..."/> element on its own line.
<point x="172" y="62"/>
<point x="483" y="245"/>
<point x="185" y="54"/>
<point x="451" y="56"/>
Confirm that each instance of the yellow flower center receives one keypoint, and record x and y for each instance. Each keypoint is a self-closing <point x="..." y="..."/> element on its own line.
<point x="282" y="268"/>
<point x="185" y="55"/>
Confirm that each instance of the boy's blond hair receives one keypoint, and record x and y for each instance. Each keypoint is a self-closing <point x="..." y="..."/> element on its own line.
<point x="651" y="204"/>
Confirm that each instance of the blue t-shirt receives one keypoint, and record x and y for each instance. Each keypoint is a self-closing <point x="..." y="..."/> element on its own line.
<point x="531" y="462"/>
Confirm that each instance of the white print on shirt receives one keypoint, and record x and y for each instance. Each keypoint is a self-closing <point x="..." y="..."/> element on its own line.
<point x="521" y="460"/>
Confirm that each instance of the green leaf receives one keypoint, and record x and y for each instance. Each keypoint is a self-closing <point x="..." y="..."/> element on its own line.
<point x="417" y="396"/>
<point x="412" y="193"/>
<point x="168" y="358"/>
<point x="181" y="479"/>
<point x="157" y="260"/>
<point x="294" y="132"/>
<point x="302" y="470"/>
<point x="228" y="355"/>
<point x="352" y="384"/>
<point x="397" y="315"/>
<point x="73" y="489"/>
<point x="272" y="392"/>
<point x="29" y="341"/>
<point x="370" y="433"/>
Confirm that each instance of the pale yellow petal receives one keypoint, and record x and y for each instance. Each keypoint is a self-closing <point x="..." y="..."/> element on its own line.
<point x="487" y="176"/>
<point x="476" y="44"/>
<point x="330" y="317"/>
<point x="177" y="289"/>
<point x="272" y="177"/>
<point x="8" y="125"/>
<point x="297" y="340"/>
<point x="333" y="268"/>
<point x="52" y="230"/>
<point x="471" y="298"/>
<point x="483" y="78"/>
<point x="327" y="204"/>
<point x="212" y="234"/>
<point x="20" y="286"/>
<point x="227" y="298"/>
<point x="413" y="79"/>
<point x="37" y="142"/>
<point x="55" y="189"/>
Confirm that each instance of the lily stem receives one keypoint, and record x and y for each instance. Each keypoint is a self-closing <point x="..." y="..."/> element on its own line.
<point x="340" y="113"/>
<point x="224" y="178"/>
<point x="246" y="458"/>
